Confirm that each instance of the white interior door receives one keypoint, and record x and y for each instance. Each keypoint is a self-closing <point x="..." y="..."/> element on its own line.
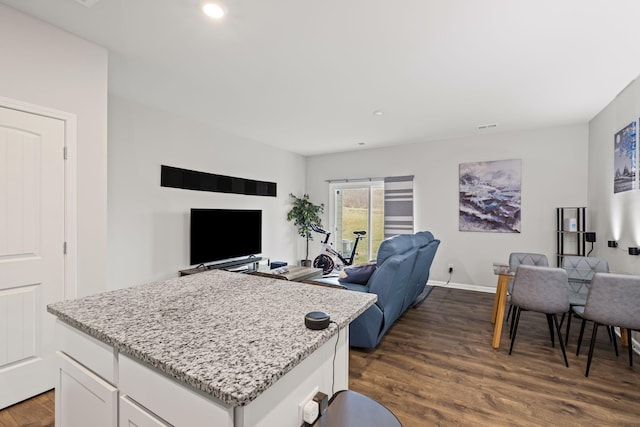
<point x="31" y="250"/>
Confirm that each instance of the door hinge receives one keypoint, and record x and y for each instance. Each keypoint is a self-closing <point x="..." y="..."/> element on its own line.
<point x="64" y="154"/>
<point x="64" y="248"/>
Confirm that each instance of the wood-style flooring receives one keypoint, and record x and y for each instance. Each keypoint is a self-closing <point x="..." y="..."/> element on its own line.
<point x="35" y="412"/>
<point x="436" y="366"/>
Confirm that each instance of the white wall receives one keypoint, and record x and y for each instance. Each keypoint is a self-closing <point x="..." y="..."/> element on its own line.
<point x="149" y="225"/>
<point x="554" y="174"/>
<point x="45" y="66"/>
<point x="615" y="216"/>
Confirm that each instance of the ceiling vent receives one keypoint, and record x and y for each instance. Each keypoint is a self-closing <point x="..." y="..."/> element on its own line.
<point x="489" y="126"/>
<point x="87" y="3"/>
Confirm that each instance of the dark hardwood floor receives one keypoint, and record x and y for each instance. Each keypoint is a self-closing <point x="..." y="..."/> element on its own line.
<point x="436" y="366"/>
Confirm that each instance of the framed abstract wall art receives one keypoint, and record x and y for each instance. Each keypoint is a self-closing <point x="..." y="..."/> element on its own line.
<point x="490" y="196"/>
<point x="624" y="159"/>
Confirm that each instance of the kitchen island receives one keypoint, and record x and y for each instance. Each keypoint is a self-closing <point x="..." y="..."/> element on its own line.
<point x="215" y="348"/>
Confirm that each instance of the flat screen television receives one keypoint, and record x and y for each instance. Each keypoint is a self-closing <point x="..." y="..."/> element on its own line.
<point x="221" y="234"/>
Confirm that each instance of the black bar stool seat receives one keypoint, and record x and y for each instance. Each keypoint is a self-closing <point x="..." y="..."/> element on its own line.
<point x="348" y="408"/>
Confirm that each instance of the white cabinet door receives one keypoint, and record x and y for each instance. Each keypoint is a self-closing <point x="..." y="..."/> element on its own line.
<point x="133" y="415"/>
<point x="83" y="398"/>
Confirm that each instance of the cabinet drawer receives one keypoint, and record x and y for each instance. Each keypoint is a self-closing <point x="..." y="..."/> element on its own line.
<point x="169" y="399"/>
<point x="134" y="415"/>
<point x="92" y="353"/>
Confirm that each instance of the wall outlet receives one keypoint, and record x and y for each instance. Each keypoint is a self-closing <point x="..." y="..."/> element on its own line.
<point x="304" y="402"/>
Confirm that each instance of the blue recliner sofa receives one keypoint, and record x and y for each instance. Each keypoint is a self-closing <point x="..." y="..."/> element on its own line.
<point x="402" y="271"/>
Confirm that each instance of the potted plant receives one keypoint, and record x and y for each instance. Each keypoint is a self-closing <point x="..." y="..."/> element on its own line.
<point x="304" y="215"/>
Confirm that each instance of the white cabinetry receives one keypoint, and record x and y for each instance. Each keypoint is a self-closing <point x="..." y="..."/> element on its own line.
<point x="133" y="415"/>
<point x="168" y="399"/>
<point x="97" y="386"/>
<point x="82" y="397"/>
<point x="97" y="356"/>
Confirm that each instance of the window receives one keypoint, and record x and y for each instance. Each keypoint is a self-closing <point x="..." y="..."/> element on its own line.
<point x="398" y="205"/>
<point x="357" y="206"/>
<point x="383" y="207"/>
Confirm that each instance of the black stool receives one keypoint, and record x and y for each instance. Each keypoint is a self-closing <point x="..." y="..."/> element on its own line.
<point x="351" y="409"/>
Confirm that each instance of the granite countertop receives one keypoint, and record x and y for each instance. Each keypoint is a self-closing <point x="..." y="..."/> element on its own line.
<point x="227" y="334"/>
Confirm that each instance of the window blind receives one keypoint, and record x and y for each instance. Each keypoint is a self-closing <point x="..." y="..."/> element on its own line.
<point x="398" y="205"/>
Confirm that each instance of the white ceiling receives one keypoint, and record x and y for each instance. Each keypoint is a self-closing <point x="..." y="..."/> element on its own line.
<point x="307" y="75"/>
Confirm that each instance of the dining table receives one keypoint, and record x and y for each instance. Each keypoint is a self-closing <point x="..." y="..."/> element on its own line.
<point x="505" y="275"/>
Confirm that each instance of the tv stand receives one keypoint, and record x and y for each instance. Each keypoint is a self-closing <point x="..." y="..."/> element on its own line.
<point x="224" y="265"/>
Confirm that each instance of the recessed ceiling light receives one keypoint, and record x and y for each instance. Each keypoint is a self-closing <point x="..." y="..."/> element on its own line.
<point x="213" y="9"/>
<point x="378" y="113"/>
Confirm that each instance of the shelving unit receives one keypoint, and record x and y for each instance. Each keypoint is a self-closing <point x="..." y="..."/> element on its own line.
<point x="570" y="240"/>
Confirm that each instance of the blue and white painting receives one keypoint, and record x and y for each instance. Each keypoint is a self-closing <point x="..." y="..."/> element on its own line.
<point x="490" y="196"/>
<point x="624" y="159"/>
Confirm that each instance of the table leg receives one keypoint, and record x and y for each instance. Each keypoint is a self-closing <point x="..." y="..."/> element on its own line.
<point x="496" y="300"/>
<point x="623" y="337"/>
<point x="499" y="306"/>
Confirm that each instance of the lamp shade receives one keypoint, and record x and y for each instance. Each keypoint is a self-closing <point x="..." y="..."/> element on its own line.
<point x="590" y="236"/>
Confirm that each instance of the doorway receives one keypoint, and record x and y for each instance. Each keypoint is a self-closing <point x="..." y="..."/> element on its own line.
<point x="357" y="206"/>
<point x="34" y="233"/>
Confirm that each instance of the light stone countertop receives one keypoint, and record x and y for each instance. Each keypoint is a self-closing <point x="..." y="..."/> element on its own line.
<point x="229" y="335"/>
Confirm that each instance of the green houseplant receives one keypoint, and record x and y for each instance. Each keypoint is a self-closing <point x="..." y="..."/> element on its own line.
<point x="304" y="215"/>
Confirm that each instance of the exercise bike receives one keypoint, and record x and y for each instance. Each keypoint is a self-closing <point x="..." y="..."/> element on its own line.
<point x="325" y="260"/>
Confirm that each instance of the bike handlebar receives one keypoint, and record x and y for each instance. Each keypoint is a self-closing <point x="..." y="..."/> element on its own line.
<point x="318" y="229"/>
<point x="358" y="233"/>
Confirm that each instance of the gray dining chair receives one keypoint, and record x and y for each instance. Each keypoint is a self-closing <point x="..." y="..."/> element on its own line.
<point x="516" y="259"/>
<point x="543" y="290"/>
<point x="613" y="300"/>
<point x="580" y="271"/>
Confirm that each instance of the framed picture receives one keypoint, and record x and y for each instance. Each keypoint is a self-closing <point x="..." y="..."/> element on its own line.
<point x="490" y="196"/>
<point x="624" y="159"/>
